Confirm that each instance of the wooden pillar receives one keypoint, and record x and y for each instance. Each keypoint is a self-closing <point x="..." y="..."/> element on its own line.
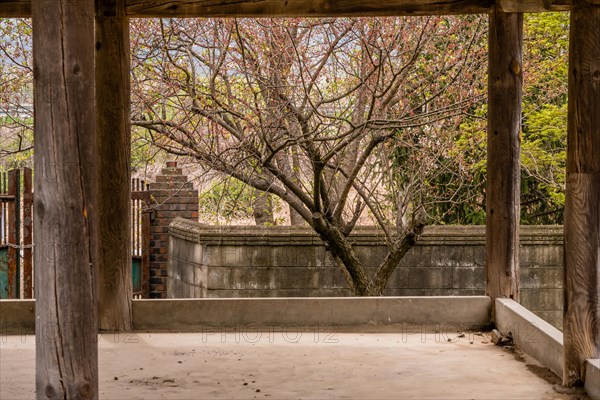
<point x="65" y="200"/>
<point x="503" y="164"/>
<point x="114" y="152"/>
<point x="581" y="326"/>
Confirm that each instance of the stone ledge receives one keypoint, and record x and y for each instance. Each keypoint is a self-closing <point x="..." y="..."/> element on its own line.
<point x="541" y="341"/>
<point x="592" y="378"/>
<point x="531" y="334"/>
<point x="368" y="314"/>
<point x="355" y="313"/>
<point x="362" y="235"/>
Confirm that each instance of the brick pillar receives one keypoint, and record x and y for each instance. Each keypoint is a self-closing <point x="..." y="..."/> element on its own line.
<point x="172" y="196"/>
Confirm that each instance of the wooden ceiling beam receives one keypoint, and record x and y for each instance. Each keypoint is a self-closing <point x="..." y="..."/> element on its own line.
<point x="303" y="8"/>
<point x="533" y="6"/>
<point x="307" y="8"/>
<point x="15" y="8"/>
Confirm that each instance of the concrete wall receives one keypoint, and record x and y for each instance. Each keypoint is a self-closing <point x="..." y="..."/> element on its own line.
<point x="541" y="341"/>
<point x="407" y="315"/>
<point x="188" y="278"/>
<point x="531" y="334"/>
<point x="292" y="262"/>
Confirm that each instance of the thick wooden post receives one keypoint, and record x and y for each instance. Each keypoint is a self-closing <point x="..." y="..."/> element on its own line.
<point x="65" y="200"/>
<point x="114" y="149"/>
<point x="503" y="164"/>
<point x="581" y="325"/>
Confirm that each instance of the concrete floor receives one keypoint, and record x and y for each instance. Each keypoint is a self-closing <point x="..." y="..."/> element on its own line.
<point x="297" y="364"/>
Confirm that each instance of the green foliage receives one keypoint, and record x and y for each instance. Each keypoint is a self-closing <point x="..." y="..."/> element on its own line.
<point x="543" y="147"/>
<point x="545" y="60"/>
<point x="544" y="161"/>
<point x="142" y="152"/>
<point x="468" y="157"/>
<point x="544" y="137"/>
<point x="226" y="200"/>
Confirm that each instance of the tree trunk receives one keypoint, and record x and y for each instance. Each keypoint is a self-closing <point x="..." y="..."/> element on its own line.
<point x="65" y="200"/>
<point x="340" y="248"/>
<point x="503" y="164"/>
<point x="399" y="249"/>
<point x="114" y="156"/>
<point x="295" y="217"/>
<point x="581" y="325"/>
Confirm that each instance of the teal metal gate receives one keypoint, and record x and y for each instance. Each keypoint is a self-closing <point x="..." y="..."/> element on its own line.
<point x="16" y="234"/>
<point x="3" y="272"/>
<point x="16" y="255"/>
<point x="140" y="238"/>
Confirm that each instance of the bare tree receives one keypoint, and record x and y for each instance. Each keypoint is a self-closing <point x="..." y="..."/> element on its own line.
<point x="339" y="118"/>
<point x="16" y="95"/>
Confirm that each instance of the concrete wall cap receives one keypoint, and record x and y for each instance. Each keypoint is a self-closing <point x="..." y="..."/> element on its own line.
<point x="273" y="235"/>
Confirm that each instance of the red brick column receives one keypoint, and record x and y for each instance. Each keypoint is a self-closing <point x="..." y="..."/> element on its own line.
<point x="172" y="196"/>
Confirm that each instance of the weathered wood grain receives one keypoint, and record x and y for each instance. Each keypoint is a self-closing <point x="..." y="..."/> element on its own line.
<point x="114" y="155"/>
<point x="503" y="165"/>
<point x="533" y="6"/>
<point x="581" y="323"/>
<point x="15" y="8"/>
<point x="309" y="8"/>
<point x="65" y="200"/>
<point x="304" y="8"/>
<point x="582" y="209"/>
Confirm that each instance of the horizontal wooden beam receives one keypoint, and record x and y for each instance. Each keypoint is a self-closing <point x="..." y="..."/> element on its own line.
<point x="307" y="8"/>
<point x="303" y="8"/>
<point x="533" y="6"/>
<point x="15" y="8"/>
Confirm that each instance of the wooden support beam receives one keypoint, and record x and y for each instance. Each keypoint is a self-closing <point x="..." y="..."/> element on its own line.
<point x="309" y="8"/>
<point x="15" y="8"/>
<point x="581" y="325"/>
<point x="65" y="200"/>
<point x="503" y="165"/>
<point x="533" y="6"/>
<point x="114" y="154"/>
<point x="302" y="8"/>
